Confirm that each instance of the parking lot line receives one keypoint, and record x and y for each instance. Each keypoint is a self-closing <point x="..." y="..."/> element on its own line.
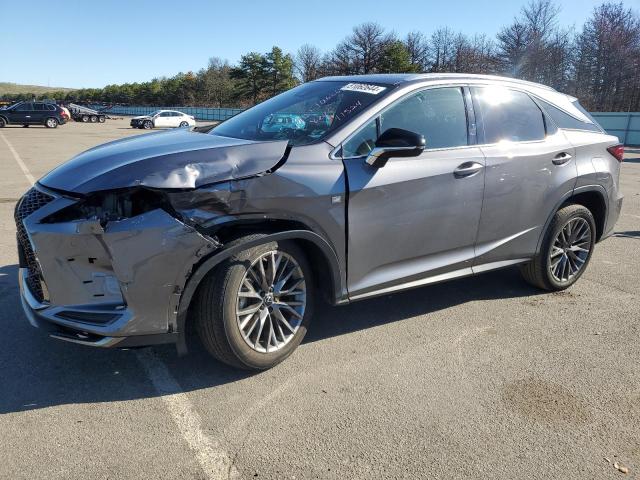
<point x="213" y="460"/>
<point x="17" y="158"/>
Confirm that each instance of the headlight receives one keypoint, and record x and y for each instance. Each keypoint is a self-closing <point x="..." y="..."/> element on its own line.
<point x="113" y="205"/>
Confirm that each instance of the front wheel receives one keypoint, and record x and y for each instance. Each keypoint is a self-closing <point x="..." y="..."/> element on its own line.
<point x="147" y="125"/>
<point x="566" y="250"/>
<point x="3" y="122"/>
<point x="254" y="309"/>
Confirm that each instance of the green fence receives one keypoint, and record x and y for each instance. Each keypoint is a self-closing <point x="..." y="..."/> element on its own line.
<point x="624" y="125"/>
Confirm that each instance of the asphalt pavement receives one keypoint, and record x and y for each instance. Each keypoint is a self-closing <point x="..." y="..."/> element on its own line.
<point x="483" y="377"/>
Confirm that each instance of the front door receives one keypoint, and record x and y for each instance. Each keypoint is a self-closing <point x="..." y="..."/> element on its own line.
<point x="22" y="113"/>
<point x="415" y="219"/>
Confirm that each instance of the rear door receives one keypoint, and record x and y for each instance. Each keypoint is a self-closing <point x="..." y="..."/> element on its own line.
<point x="39" y="113"/>
<point x="530" y="169"/>
<point x="415" y="218"/>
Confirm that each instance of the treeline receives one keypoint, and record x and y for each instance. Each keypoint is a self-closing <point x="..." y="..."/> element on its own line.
<point x="599" y="62"/>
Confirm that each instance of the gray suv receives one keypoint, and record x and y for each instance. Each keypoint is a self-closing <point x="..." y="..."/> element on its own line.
<point x="373" y="185"/>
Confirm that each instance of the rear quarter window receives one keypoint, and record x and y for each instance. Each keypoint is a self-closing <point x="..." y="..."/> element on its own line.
<point x="564" y="120"/>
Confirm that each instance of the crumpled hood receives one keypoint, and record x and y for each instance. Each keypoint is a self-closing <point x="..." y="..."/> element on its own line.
<point x="174" y="159"/>
<point x="141" y="117"/>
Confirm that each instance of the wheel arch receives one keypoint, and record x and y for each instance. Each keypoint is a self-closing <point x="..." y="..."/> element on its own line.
<point x="5" y="118"/>
<point x="592" y="197"/>
<point x="320" y="253"/>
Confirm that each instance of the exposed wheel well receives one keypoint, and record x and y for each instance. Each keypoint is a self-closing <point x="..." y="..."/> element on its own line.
<point x="594" y="201"/>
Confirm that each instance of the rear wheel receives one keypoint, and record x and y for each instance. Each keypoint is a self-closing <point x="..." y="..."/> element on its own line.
<point x="254" y="310"/>
<point x="3" y="122"/>
<point x="566" y="250"/>
<point x="85" y="118"/>
<point x="101" y="118"/>
<point x="51" y="123"/>
<point x="184" y="124"/>
<point x="94" y="119"/>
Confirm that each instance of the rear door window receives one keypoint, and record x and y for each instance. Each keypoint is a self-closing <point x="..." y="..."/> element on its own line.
<point x="509" y="115"/>
<point x="39" y="107"/>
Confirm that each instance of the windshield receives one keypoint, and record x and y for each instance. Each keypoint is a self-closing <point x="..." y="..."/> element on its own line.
<point x="153" y="114"/>
<point x="304" y="114"/>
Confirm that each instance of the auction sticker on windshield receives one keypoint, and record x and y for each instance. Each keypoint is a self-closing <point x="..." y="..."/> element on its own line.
<point x="364" y="87"/>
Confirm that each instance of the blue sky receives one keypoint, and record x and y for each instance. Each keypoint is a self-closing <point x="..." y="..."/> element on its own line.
<point x="136" y="40"/>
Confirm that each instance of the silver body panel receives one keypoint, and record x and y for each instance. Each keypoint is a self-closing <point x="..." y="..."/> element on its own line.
<point x="409" y="223"/>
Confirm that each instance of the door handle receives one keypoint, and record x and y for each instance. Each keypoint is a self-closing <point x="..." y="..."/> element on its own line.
<point x="561" y="158"/>
<point x="467" y="169"/>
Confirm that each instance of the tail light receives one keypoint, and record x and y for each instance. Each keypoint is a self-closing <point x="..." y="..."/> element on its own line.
<point x="617" y="151"/>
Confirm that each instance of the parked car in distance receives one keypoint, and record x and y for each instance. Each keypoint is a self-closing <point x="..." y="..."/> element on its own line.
<point x="33" y="113"/>
<point x="403" y="181"/>
<point x="163" y="119"/>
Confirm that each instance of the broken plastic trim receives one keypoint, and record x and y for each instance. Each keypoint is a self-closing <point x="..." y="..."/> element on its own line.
<point x="114" y="205"/>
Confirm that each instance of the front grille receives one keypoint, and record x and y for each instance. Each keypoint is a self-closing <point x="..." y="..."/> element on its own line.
<point x="33" y="200"/>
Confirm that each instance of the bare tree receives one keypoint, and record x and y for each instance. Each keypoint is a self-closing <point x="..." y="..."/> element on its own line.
<point x="524" y="46"/>
<point x="442" y="51"/>
<point x="366" y="44"/>
<point x="308" y="62"/>
<point x="607" y="65"/>
<point x="418" y="47"/>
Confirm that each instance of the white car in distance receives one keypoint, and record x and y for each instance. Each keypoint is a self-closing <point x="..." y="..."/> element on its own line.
<point x="163" y="119"/>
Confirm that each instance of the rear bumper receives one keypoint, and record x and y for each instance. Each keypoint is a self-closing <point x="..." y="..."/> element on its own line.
<point x="612" y="217"/>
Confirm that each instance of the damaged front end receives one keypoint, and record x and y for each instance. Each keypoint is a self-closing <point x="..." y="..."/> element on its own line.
<point x="105" y="269"/>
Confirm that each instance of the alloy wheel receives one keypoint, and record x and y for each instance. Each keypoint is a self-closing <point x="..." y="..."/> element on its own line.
<point x="271" y="302"/>
<point x="570" y="250"/>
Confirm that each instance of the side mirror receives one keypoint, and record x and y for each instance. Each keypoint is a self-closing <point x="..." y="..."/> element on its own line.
<point x="396" y="142"/>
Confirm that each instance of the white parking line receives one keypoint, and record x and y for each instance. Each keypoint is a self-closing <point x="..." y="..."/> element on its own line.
<point x="213" y="460"/>
<point x="22" y="165"/>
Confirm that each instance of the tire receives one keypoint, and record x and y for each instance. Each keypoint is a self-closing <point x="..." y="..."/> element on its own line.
<point x="101" y="119"/>
<point x="85" y="118"/>
<point x="147" y="125"/>
<point x="93" y="119"/>
<point x="557" y="274"/>
<point x="3" y="122"/>
<point x="184" y="124"/>
<point x="219" y="298"/>
<point x="51" y="123"/>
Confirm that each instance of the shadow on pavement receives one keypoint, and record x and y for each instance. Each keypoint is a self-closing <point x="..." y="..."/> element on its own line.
<point x="629" y="234"/>
<point x="38" y="372"/>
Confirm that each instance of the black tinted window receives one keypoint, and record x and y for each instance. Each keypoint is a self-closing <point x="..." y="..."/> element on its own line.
<point x="51" y="107"/>
<point x="24" y="107"/>
<point x="39" y="107"/>
<point x="438" y="114"/>
<point x="509" y="115"/>
<point x="564" y="120"/>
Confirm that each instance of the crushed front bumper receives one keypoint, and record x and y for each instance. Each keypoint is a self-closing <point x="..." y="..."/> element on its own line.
<point x="117" y="285"/>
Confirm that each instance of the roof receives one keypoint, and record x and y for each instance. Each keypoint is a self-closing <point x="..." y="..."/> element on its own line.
<point x="398" y="78"/>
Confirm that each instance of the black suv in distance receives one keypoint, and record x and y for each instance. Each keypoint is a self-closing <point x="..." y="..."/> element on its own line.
<point x="33" y="113"/>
